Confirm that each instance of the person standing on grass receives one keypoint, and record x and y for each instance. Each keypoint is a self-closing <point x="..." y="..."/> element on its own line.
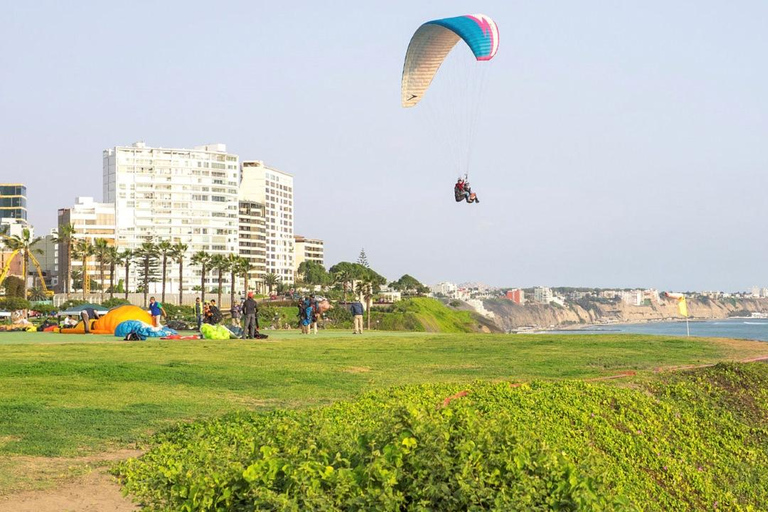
<point x="213" y="316"/>
<point x="198" y="312"/>
<point x="315" y="314"/>
<point x="87" y="315"/>
<point x="156" y="310"/>
<point x="357" y="312"/>
<point x="251" y="315"/>
<point x="235" y="311"/>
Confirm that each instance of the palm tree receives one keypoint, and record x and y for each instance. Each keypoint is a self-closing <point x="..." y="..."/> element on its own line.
<point x="64" y="235"/>
<point x="82" y="250"/>
<point x="23" y="244"/>
<point x="243" y="268"/>
<point x="177" y="254"/>
<point x="203" y="259"/>
<point x="124" y="258"/>
<point x="113" y="259"/>
<point x="147" y="254"/>
<point x="101" y="251"/>
<point x="233" y="265"/>
<point x="369" y="284"/>
<point x="220" y="263"/>
<point x="271" y="280"/>
<point x="37" y="294"/>
<point x="163" y="248"/>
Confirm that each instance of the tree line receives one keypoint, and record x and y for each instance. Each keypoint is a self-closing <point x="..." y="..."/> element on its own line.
<point x="152" y="261"/>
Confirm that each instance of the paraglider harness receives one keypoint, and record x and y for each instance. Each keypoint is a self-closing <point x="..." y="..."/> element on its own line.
<point x="462" y="191"/>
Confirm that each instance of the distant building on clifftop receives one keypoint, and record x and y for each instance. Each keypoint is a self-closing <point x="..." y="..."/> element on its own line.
<point x="517" y="296"/>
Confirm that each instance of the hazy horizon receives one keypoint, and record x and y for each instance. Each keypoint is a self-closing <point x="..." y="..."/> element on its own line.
<point x="618" y="146"/>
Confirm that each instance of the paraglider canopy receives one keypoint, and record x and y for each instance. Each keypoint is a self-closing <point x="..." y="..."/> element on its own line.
<point x="434" y="40"/>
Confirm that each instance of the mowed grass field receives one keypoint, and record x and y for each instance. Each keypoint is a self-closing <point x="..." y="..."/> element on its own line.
<point x="79" y="395"/>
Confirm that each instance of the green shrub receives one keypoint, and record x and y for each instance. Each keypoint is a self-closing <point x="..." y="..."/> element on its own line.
<point x="696" y="441"/>
<point x="339" y="317"/>
<point x="14" y="287"/>
<point x="115" y="302"/>
<point x="44" y="309"/>
<point x="14" y="303"/>
<point x="184" y="313"/>
<point x="71" y="303"/>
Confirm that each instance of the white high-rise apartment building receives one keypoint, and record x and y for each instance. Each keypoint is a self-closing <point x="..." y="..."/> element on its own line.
<point x="273" y="189"/>
<point x="180" y="195"/>
<point x="253" y="242"/>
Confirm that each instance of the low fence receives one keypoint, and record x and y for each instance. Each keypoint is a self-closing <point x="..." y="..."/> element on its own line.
<point x="138" y="298"/>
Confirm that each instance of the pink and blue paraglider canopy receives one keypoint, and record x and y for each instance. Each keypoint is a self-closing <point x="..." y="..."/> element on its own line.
<point x="434" y="40"/>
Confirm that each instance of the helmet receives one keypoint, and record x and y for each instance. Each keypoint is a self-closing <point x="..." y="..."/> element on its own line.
<point x="250" y="295"/>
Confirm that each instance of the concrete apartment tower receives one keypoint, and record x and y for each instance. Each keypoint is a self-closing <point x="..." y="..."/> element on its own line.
<point x="179" y="195"/>
<point x="253" y="242"/>
<point x="307" y="249"/>
<point x="91" y="221"/>
<point x="274" y="189"/>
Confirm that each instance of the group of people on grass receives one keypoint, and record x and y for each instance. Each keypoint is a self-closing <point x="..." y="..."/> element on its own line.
<point x="309" y="314"/>
<point x="245" y="315"/>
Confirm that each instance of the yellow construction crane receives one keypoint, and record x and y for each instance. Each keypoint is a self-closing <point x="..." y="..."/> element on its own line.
<point x="7" y="268"/>
<point x="48" y="293"/>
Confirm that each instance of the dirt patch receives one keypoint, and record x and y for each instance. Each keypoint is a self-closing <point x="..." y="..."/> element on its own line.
<point x="254" y="403"/>
<point x="80" y="484"/>
<point x="94" y="492"/>
<point x="356" y="369"/>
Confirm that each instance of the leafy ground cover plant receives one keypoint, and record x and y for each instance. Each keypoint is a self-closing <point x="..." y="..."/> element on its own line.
<point x="689" y="441"/>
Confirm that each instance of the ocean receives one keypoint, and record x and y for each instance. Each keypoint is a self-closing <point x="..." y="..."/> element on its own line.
<point x="740" y="328"/>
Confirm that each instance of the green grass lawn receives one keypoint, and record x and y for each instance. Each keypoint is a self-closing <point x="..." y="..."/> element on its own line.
<point x="68" y="395"/>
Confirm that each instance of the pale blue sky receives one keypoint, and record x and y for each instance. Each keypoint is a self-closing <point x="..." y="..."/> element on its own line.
<point x="622" y="143"/>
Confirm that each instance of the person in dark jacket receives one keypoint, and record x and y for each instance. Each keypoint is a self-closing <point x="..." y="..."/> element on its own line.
<point x="251" y="315"/>
<point x="356" y="308"/>
<point x="213" y="316"/>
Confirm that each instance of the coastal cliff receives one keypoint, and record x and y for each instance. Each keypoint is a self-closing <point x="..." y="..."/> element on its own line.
<point x="510" y="316"/>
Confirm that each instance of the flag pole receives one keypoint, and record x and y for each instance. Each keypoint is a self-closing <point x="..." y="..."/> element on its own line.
<point x="687" y="328"/>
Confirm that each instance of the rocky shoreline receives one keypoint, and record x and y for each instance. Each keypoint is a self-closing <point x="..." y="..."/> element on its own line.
<point x="509" y="316"/>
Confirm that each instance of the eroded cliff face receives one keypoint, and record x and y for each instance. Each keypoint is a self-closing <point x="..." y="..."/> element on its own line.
<point x="510" y="316"/>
